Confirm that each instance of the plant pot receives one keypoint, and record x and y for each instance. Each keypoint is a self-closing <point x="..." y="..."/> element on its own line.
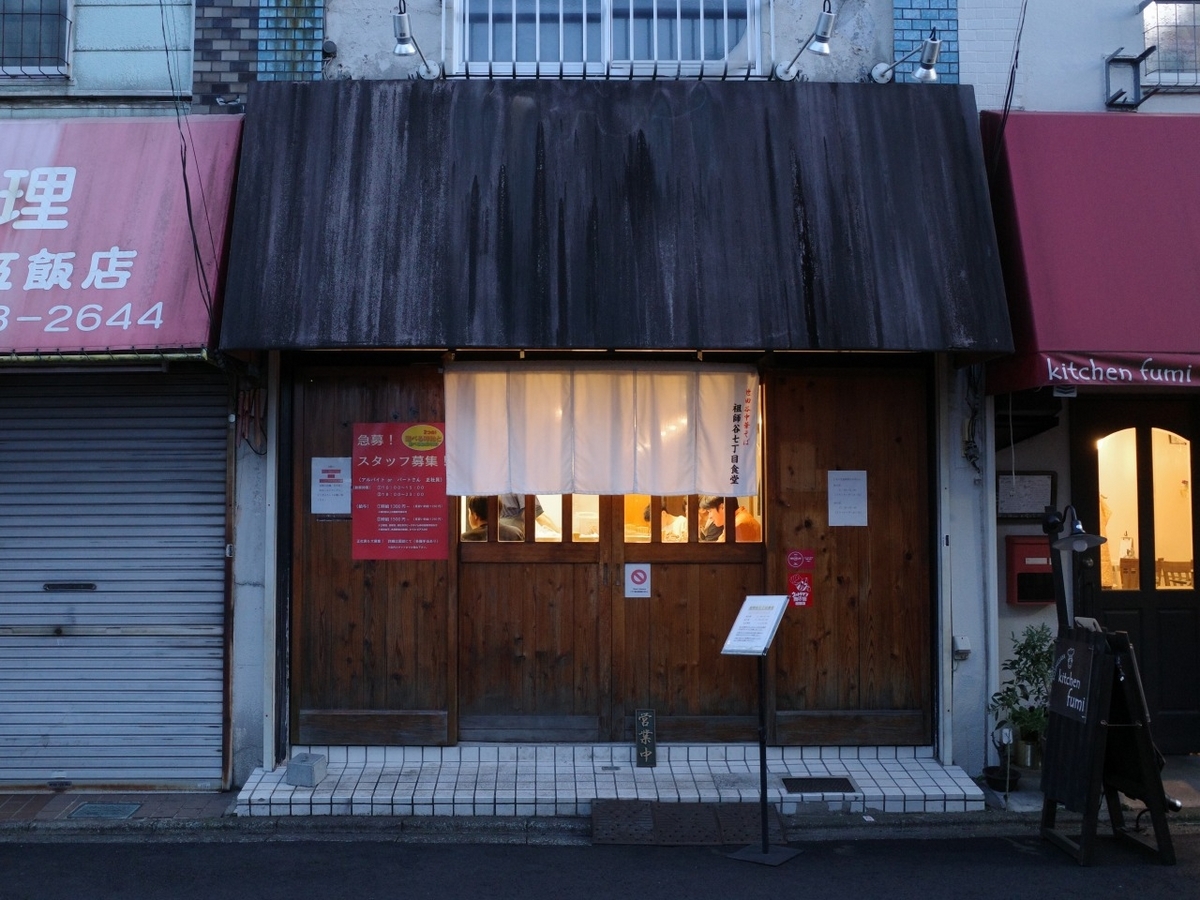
<point x="994" y="777"/>
<point x="1025" y="754"/>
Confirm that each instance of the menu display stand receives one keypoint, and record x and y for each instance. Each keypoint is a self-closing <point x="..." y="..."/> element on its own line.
<point x="1098" y="744"/>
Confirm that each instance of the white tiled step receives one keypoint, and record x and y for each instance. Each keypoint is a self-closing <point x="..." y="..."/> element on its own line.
<point x="563" y="780"/>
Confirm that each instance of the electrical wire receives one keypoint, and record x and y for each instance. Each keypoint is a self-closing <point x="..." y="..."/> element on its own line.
<point x="974" y="401"/>
<point x="206" y="292"/>
<point x="251" y="419"/>
<point x="1010" y="90"/>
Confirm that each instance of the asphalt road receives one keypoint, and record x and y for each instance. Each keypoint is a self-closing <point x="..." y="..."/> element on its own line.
<point x="979" y="868"/>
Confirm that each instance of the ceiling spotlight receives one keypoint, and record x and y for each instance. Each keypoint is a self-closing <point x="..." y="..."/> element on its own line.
<point x="924" y="71"/>
<point x="817" y="43"/>
<point x="406" y="44"/>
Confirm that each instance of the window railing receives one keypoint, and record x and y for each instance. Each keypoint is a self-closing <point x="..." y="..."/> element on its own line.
<point x="590" y="38"/>
<point x="1173" y="29"/>
<point x="34" y="37"/>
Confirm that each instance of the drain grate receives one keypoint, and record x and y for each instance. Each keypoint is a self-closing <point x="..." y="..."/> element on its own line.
<point x="681" y="824"/>
<point x="819" y="786"/>
<point x="104" y="810"/>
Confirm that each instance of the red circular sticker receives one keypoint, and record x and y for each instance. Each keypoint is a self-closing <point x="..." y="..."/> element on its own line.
<point x="800" y="559"/>
<point x="638" y="576"/>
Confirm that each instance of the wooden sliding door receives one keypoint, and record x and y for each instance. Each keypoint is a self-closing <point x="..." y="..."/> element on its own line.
<point x="854" y="666"/>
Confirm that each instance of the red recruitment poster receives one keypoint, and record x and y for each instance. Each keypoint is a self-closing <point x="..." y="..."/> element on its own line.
<point x="800" y="583"/>
<point x="398" y="486"/>
<point x="800" y="588"/>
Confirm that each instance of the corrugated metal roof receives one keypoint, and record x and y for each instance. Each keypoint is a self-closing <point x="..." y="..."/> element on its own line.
<point x="621" y="215"/>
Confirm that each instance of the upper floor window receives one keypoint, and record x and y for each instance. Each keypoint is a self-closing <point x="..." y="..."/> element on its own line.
<point x="1174" y="30"/>
<point x="586" y="37"/>
<point x="33" y="38"/>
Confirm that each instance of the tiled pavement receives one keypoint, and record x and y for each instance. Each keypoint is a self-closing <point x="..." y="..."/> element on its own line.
<point x="559" y="780"/>
<point x="469" y="786"/>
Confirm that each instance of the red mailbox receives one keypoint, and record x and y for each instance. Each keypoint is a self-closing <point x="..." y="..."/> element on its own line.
<point x="1030" y="575"/>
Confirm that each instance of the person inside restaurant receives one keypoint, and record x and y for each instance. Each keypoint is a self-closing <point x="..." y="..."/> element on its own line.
<point x="477" y="519"/>
<point x="674" y="528"/>
<point x="747" y="529"/>
<point x="512" y="510"/>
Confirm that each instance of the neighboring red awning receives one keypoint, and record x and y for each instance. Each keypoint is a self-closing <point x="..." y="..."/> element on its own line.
<point x="1098" y="219"/>
<point x="99" y="251"/>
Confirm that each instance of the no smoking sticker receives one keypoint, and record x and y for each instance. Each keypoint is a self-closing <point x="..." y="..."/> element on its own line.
<point x="637" y="579"/>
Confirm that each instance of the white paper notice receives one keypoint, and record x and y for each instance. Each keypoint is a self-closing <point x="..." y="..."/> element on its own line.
<point x="755" y="626"/>
<point x="331" y="486"/>
<point x="848" y="498"/>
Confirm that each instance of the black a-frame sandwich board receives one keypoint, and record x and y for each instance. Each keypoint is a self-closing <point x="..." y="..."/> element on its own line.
<point x="1098" y="743"/>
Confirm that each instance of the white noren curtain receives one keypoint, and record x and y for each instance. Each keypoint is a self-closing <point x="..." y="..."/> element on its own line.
<point x="601" y="429"/>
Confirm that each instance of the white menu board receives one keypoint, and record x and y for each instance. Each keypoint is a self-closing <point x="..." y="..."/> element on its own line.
<point x="755" y="626"/>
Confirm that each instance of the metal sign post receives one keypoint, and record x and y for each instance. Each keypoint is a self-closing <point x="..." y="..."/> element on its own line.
<point x="751" y="635"/>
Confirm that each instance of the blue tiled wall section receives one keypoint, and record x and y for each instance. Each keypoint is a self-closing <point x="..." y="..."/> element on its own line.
<point x="290" y="34"/>
<point x="256" y="40"/>
<point x="912" y="20"/>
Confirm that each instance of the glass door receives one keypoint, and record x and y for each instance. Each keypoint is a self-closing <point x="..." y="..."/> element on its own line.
<point x="1133" y="474"/>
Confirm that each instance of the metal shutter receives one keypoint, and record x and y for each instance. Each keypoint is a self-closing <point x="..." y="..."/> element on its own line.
<point x="112" y="578"/>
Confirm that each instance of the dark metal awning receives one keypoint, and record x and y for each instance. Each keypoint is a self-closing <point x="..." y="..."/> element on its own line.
<point x="617" y="215"/>
<point x="1099" y="225"/>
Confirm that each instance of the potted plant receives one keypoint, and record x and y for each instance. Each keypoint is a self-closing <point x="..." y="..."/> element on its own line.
<point x="1022" y="703"/>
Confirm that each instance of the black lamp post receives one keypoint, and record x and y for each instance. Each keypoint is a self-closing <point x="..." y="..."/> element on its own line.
<point x="1077" y="541"/>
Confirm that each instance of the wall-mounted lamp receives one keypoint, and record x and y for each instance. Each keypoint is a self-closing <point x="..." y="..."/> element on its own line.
<point x="924" y="70"/>
<point x="406" y="44"/>
<point x="1076" y="540"/>
<point x="817" y="42"/>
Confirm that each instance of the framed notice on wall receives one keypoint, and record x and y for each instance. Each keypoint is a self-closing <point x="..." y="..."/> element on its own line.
<point x="1024" y="495"/>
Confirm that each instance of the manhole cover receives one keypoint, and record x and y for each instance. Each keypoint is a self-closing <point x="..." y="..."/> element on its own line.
<point x="104" y="810"/>
<point x="819" y="786"/>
